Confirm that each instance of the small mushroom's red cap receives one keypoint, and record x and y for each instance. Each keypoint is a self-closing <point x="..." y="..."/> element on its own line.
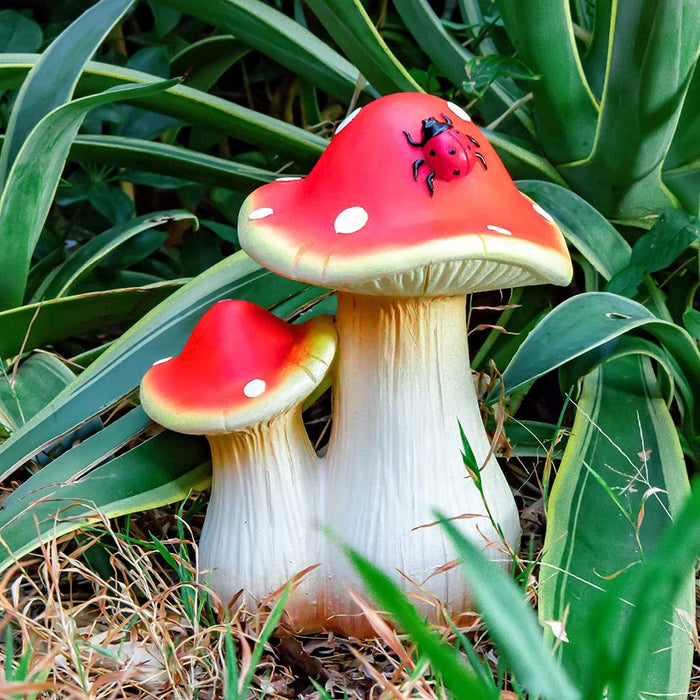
<point x="240" y="367"/>
<point x="409" y="199"/>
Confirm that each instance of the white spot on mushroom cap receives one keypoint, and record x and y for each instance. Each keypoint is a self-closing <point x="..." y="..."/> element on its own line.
<point x="543" y="213"/>
<point x="347" y="120"/>
<point x="254" y="388"/>
<point x="456" y="109"/>
<point x="260" y="213"/>
<point x="162" y="360"/>
<point x="287" y="179"/>
<point x="350" y="220"/>
<point x="499" y="229"/>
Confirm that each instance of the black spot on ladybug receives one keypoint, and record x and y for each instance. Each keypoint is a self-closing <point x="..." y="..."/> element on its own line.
<point x="443" y="148"/>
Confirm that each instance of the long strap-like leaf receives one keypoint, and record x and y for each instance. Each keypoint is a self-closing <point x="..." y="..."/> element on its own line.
<point x="350" y="26"/>
<point x="189" y="105"/>
<point x="653" y="50"/>
<point x="566" y="112"/>
<point x="161" y="333"/>
<point x="51" y="82"/>
<point x="621" y="482"/>
<point x="33" y="180"/>
<point x="274" y="34"/>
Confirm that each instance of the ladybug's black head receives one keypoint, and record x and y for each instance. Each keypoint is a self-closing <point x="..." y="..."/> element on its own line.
<point x="432" y="127"/>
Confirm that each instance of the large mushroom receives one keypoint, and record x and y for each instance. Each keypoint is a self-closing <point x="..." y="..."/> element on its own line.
<point x="407" y="211"/>
<point x="240" y="380"/>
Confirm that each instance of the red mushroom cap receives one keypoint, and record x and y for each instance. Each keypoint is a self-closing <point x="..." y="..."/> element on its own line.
<point x="241" y="366"/>
<point x="371" y="218"/>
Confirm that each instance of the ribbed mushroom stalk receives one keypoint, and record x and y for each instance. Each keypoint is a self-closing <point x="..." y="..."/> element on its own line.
<point x="403" y="388"/>
<point x="407" y="211"/>
<point x="240" y="380"/>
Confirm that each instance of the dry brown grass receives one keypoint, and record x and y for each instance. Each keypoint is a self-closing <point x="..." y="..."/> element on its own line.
<point x="134" y="633"/>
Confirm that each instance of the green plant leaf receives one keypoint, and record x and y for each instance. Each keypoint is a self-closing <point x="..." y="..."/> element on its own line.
<point x="79" y="460"/>
<point x="667" y="239"/>
<point x="25" y="392"/>
<point x="654" y="587"/>
<point x="482" y="71"/>
<point x="53" y="78"/>
<point x="511" y="623"/>
<point x="455" y="675"/>
<point x="18" y="33"/>
<point x="595" y="61"/>
<point x="587" y="321"/>
<point x="691" y="320"/>
<point x="162" y="332"/>
<point x="205" y="61"/>
<point x="584" y="227"/>
<point x="92" y="253"/>
<point x="33" y="180"/>
<point x="164" y="159"/>
<point x="161" y="470"/>
<point x="652" y="54"/>
<point x="349" y="25"/>
<point x="274" y="34"/>
<point x="31" y="326"/>
<point x="566" y="111"/>
<point x="451" y="57"/>
<point x="514" y="152"/>
<point x="188" y="105"/>
<point x="624" y="464"/>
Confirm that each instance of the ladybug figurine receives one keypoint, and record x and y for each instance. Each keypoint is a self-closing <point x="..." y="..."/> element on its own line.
<point x="447" y="152"/>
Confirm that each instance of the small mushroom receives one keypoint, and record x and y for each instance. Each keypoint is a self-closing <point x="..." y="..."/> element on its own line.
<point x="240" y="380"/>
<point x="407" y="211"/>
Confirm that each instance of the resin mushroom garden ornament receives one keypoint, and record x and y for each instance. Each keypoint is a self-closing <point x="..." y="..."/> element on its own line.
<point x="408" y="210"/>
<point x="240" y="380"/>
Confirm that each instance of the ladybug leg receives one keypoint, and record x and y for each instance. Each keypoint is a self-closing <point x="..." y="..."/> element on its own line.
<point x="482" y="160"/>
<point x="473" y="140"/>
<point x="411" y="141"/>
<point x="416" y="165"/>
<point x="448" y="121"/>
<point x="429" y="182"/>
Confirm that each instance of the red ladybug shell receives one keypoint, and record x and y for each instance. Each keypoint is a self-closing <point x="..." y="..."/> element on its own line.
<point x="448" y="155"/>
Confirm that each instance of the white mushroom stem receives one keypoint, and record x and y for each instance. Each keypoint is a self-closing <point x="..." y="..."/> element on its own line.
<point x="403" y="385"/>
<point x="258" y="532"/>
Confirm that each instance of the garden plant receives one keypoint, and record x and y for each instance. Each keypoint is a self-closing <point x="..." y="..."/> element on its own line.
<point x="133" y="134"/>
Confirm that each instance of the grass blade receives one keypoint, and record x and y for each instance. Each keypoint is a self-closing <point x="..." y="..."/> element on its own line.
<point x="455" y="675"/>
<point x="511" y="623"/>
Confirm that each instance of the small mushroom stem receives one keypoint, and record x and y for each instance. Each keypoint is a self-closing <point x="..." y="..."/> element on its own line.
<point x="258" y="532"/>
<point x="403" y="386"/>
